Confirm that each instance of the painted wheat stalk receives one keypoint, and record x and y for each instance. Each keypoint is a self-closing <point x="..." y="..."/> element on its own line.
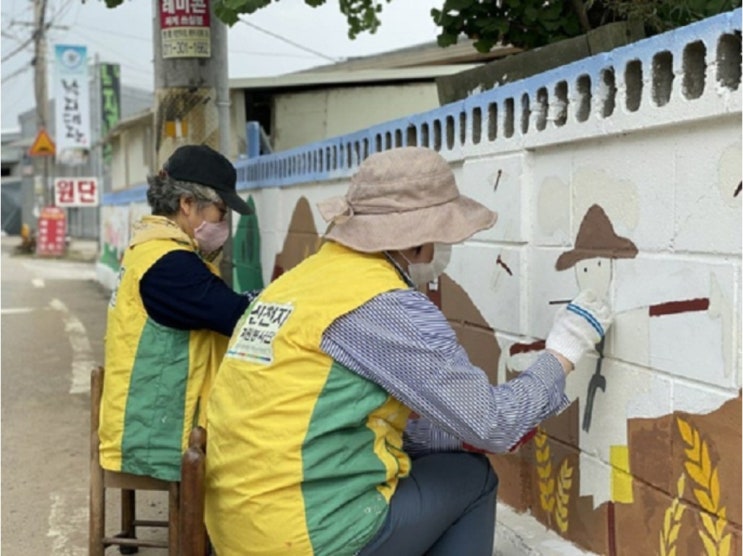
<point x="700" y="470"/>
<point x="672" y="521"/>
<point x="544" y="471"/>
<point x="564" y="482"/>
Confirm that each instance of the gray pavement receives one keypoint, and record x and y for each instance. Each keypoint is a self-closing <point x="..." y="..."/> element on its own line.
<point x="78" y="249"/>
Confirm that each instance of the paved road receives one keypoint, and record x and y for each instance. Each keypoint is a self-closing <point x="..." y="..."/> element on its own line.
<point x="53" y="320"/>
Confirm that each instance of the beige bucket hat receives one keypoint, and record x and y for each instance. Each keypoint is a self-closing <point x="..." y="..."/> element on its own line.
<point x="403" y="198"/>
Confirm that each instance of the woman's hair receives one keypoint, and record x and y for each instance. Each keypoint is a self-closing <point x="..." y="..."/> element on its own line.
<point x="164" y="194"/>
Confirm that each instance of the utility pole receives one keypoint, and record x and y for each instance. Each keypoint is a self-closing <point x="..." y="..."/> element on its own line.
<point x="192" y="103"/>
<point x="40" y="84"/>
<point x="41" y="87"/>
<point x="191" y="91"/>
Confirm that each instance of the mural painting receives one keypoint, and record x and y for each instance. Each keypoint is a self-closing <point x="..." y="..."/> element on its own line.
<point x="116" y="222"/>
<point x="301" y="241"/>
<point x="246" y="252"/>
<point x="644" y="451"/>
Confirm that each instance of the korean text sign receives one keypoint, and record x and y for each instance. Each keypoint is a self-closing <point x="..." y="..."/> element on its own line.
<point x="72" y="104"/>
<point x="184" y="28"/>
<point x="110" y="103"/>
<point x="76" y="192"/>
<point x="52" y="232"/>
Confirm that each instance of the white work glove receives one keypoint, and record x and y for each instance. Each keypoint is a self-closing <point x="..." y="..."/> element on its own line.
<point x="579" y="326"/>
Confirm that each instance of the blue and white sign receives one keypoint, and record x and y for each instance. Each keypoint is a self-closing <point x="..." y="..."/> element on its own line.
<point x="72" y="103"/>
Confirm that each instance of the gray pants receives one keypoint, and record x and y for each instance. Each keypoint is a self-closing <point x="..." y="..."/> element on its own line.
<point x="446" y="507"/>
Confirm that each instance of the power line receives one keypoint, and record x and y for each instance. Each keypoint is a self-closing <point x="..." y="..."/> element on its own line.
<point x="116" y="34"/>
<point x="231" y="50"/>
<point x="17" y="72"/>
<point x="284" y="39"/>
<point x="107" y="48"/>
<point x="18" y="49"/>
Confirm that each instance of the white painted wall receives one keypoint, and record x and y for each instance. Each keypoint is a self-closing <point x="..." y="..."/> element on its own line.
<point x="301" y="118"/>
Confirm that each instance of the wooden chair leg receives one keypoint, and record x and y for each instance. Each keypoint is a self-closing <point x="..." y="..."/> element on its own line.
<point x="128" y="513"/>
<point x="97" y="512"/>
<point x="193" y="537"/>
<point x="173" y="519"/>
<point x="97" y="496"/>
<point x="128" y="519"/>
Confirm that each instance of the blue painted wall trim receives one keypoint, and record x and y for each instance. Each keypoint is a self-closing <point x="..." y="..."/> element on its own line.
<point x="136" y="194"/>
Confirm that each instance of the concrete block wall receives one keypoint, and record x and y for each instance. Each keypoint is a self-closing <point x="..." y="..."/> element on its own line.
<point x="622" y="173"/>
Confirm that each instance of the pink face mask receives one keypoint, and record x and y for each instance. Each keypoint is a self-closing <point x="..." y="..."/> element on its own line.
<point x="211" y="236"/>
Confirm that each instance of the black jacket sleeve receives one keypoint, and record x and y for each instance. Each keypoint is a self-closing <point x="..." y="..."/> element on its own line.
<point x="181" y="292"/>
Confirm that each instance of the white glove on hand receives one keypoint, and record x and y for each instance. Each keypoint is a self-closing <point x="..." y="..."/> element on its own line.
<point x="579" y="326"/>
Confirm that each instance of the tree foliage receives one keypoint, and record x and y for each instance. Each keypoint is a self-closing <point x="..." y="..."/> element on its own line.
<point x="522" y="23"/>
<point x="361" y="15"/>
<point x="532" y="23"/>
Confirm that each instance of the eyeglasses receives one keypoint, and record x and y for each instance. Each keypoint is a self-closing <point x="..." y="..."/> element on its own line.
<point x="222" y="208"/>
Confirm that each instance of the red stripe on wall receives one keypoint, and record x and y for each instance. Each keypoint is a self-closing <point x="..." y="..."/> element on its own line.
<point x="673" y="307"/>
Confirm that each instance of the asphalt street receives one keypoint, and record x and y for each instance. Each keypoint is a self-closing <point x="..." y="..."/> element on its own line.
<point x="53" y="322"/>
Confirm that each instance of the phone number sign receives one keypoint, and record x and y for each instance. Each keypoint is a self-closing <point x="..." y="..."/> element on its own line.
<point x="76" y="192"/>
<point x="52" y="231"/>
<point x="184" y="28"/>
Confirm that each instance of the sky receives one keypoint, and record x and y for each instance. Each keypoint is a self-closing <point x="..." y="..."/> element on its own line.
<point x="123" y="35"/>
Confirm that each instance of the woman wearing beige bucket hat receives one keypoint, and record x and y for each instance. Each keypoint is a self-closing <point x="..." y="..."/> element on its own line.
<point x="311" y="451"/>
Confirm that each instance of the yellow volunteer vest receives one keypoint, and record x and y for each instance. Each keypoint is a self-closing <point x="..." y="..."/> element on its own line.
<point x="303" y="454"/>
<point x="156" y="378"/>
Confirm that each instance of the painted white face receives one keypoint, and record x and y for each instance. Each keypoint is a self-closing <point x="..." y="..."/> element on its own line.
<point x="595" y="275"/>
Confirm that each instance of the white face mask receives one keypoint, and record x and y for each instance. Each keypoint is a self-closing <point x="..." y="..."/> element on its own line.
<point x="423" y="273"/>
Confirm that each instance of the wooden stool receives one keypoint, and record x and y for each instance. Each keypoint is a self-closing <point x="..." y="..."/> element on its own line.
<point x="102" y="479"/>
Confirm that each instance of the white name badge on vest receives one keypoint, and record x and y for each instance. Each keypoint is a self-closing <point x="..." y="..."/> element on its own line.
<point x="258" y="329"/>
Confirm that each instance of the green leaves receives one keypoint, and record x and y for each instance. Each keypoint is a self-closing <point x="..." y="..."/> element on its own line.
<point x="521" y="23"/>
<point x="229" y="10"/>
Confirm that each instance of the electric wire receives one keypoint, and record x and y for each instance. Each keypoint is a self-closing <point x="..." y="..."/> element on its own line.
<point x="288" y="41"/>
<point x="16" y="73"/>
<point x="18" y="49"/>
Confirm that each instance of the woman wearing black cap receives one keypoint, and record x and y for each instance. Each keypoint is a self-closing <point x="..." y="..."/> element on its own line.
<point x="169" y="317"/>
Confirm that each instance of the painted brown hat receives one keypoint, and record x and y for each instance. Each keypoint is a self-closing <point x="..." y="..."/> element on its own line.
<point x="596" y="238"/>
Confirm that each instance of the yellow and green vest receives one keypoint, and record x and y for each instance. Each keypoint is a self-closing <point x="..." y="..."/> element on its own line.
<point x="303" y="454"/>
<point x="156" y="378"/>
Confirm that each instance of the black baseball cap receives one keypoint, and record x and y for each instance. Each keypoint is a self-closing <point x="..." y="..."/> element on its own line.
<point x="203" y="165"/>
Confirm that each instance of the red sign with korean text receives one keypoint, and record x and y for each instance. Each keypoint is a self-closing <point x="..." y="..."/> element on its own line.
<point x="184" y="28"/>
<point x="76" y="192"/>
<point x="50" y="240"/>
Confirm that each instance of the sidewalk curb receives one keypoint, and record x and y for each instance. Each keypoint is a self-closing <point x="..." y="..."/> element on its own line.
<point x="520" y="534"/>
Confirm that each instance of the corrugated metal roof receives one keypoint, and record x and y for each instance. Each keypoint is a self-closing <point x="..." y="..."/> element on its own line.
<point x="425" y="54"/>
<point x="309" y="79"/>
<point x="423" y="61"/>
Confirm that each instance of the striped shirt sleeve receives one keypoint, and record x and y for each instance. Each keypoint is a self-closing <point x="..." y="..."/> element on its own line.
<point x="401" y="341"/>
